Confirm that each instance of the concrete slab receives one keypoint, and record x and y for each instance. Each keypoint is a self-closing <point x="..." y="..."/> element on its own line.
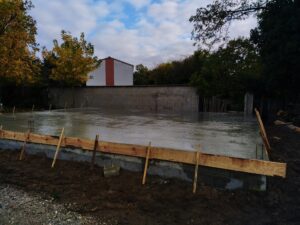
<point x="230" y="134"/>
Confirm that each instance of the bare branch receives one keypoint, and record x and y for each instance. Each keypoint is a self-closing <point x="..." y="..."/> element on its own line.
<point x="211" y="23"/>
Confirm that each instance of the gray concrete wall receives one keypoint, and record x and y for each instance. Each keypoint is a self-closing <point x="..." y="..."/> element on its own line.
<point x="148" y="98"/>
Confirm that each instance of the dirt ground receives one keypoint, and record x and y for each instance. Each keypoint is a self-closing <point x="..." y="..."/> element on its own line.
<point x="123" y="200"/>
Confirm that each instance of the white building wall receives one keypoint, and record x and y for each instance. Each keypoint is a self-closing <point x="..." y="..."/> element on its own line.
<point x="98" y="76"/>
<point x="123" y="74"/>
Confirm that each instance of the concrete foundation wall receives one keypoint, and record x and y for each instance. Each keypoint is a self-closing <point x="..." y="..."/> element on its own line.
<point x="156" y="99"/>
<point x="218" y="178"/>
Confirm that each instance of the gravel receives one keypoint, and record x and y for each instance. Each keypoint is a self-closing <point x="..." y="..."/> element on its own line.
<point x="20" y="207"/>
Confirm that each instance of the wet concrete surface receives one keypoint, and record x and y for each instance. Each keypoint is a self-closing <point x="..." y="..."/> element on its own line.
<point x="229" y="134"/>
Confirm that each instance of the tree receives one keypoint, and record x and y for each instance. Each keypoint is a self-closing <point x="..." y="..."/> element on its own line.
<point x="18" y="62"/>
<point x="211" y="23"/>
<point x="71" y="61"/>
<point x="175" y="72"/>
<point x="229" y="72"/>
<point x="141" y="75"/>
<point x="278" y="39"/>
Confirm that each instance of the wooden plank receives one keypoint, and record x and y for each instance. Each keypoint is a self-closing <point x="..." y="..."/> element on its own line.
<point x="146" y="163"/>
<point x="58" y="147"/>
<point x="94" y="151"/>
<point x="254" y="166"/>
<point x="196" y="172"/>
<point x="24" y="145"/>
<point x="263" y="132"/>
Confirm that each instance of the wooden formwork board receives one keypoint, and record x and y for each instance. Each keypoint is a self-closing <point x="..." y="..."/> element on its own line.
<point x="263" y="133"/>
<point x="254" y="166"/>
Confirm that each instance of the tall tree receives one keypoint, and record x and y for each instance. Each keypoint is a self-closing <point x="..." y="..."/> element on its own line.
<point x="141" y="75"/>
<point x="18" y="63"/>
<point x="211" y="23"/>
<point x="229" y="72"/>
<point x="277" y="37"/>
<point x="278" y="40"/>
<point x="70" y="61"/>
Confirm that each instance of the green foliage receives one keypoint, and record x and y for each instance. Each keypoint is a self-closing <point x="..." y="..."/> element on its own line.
<point x="18" y="63"/>
<point x="229" y="72"/>
<point x="278" y="40"/>
<point x="141" y="75"/>
<point x="70" y="62"/>
<point x="175" y="72"/>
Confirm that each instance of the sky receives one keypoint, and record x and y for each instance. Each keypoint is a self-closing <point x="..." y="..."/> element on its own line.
<point x="146" y="32"/>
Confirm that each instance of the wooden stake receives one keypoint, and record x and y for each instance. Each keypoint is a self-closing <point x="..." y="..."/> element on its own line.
<point x="1" y="130"/>
<point x="24" y="144"/>
<point x="146" y="163"/>
<point x="65" y="106"/>
<point x="94" y="151"/>
<point x="14" y="109"/>
<point x="196" y="172"/>
<point x="32" y="108"/>
<point x="58" y="147"/>
<point x="262" y="167"/>
<point x="50" y="107"/>
<point x="263" y="132"/>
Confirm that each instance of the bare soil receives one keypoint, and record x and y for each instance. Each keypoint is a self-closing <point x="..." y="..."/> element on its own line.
<point x="123" y="200"/>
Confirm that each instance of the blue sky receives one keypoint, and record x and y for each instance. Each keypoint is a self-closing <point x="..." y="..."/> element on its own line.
<point x="136" y="31"/>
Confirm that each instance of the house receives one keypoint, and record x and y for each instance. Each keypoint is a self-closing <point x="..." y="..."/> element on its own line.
<point x="111" y="72"/>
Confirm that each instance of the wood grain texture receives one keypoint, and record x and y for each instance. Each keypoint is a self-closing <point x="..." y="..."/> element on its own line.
<point x="254" y="166"/>
<point x="263" y="132"/>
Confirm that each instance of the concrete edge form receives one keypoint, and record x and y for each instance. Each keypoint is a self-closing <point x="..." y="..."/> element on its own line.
<point x="218" y="178"/>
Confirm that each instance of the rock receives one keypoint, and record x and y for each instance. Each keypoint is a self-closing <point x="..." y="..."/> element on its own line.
<point x="110" y="171"/>
<point x="279" y="122"/>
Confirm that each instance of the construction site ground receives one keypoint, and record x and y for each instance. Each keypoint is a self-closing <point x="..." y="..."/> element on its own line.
<point x="33" y="193"/>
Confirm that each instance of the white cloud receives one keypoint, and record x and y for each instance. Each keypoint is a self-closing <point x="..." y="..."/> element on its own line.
<point x="167" y="10"/>
<point x="138" y="3"/>
<point x="159" y="31"/>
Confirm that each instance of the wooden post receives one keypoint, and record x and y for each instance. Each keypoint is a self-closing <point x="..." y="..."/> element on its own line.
<point x="1" y="131"/>
<point x="262" y="167"/>
<point x="263" y="132"/>
<point x="14" y="109"/>
<point x="32" y="109"/>
<point x="146" y="163"/>
<point x="24" y="144"/>
<point x="94" y="151"/>
<point x="50" y="107"/>
<point x="196" y="172"/>
<point x="65" y="106"/>
<point x="58" y="147"/>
